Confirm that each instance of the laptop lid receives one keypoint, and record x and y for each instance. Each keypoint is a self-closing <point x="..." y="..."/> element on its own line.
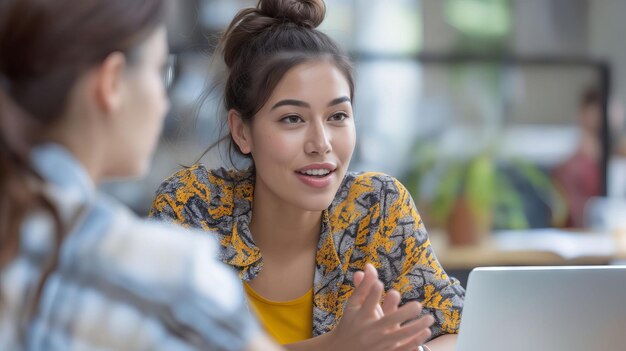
<point x="567" y="308"/>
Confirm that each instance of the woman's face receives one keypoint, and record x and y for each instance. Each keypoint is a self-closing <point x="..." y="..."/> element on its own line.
<point x="144" y="107"/>
<point x="302" y="139"/>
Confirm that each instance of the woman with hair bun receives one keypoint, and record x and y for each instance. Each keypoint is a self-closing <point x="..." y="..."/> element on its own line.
<point x="297" y="225"/>
<point x="82" y="100"/>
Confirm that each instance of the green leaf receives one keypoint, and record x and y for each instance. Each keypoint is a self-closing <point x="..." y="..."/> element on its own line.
<point x="480" y="186"/>
<point x="447" y="192"/>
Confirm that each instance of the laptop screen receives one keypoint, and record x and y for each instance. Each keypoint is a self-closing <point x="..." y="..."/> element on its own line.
<point x="545" y="308"/>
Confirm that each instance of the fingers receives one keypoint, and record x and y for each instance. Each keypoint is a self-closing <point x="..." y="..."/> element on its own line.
<point x="415" y="327"/>
<point x="392" y="300"/>
<point x="370" y="270"/>
<point x="412" y="344"/>
<point x="398" y="327"/>
<point x="409" y="336"/>
<point x="401" y="327"/>
<point x="373" y="298"/>
<point x="358" y="278"/>
<point x="362" y="291"/>
<point x="408" y="311"/>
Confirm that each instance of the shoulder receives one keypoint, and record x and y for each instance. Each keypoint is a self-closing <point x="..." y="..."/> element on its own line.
<point x="366" y="202"/>
<point x="374" y="186"/>
<point x="373" y="206"/>
<point x="158" y="265"/>
<point x="185" y="178"/>
<point x="191" y="193"/>
<point x="157" y="258"/>
<point x="145" y="252"/>
<point x="199" y="177"/>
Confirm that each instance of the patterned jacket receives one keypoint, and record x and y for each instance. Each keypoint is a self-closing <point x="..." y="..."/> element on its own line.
<point x="372" y="219"/>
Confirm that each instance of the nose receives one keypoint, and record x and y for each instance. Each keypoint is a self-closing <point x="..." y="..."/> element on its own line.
<point x="318" y="140"/>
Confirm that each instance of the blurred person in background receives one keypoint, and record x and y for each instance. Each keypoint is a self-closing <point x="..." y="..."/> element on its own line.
<point x="82" y="100"/>
<point x="578" y="178"/>
<point x="297" y="225"/>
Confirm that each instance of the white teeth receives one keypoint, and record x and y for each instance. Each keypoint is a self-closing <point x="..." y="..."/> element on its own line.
<point x="316" y="172"/>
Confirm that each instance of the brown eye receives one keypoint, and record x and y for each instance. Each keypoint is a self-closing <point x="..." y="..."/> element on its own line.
<point x="291" y="119"/>
<point x="340" y="116"/>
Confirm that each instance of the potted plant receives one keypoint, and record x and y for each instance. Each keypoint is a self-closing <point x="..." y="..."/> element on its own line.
<point x="470" y="196"/>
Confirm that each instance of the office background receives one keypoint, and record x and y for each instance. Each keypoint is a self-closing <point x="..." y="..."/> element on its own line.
<point x="451" y="95"/>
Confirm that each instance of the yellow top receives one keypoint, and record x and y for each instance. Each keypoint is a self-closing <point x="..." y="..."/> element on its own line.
<point x="286" y="321"/>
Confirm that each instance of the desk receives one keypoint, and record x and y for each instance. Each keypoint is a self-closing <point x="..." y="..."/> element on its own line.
<point x="536" y="247"/>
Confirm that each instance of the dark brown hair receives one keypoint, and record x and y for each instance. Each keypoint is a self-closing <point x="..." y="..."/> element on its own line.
<point x="45" y="45"/>
<point x="590" y="97"/>
<point x="263" y="43"/>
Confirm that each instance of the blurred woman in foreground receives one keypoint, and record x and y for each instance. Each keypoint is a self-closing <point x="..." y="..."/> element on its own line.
<point x="81" y="101"/>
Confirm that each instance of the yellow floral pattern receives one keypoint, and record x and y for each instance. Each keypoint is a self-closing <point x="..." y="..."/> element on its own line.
<point x="371" y="220"/>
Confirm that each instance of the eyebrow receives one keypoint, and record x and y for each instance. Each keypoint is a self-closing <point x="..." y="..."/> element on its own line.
<point x="291" y="102"/>
<point x="338" y="101"/>
<point x="299" y="103"/>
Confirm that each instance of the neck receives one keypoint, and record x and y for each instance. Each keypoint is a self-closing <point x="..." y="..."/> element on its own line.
<point x="82" y="129"/>
<point x="83" y="145"/>
<point x="284" y="229"/>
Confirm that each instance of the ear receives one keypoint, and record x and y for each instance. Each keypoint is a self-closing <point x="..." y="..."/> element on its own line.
<point x="108" y="82"/>
<point x="240" y="131"/>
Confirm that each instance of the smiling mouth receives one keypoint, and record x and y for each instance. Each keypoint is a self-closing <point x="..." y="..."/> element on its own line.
<point x="317" y="173"/>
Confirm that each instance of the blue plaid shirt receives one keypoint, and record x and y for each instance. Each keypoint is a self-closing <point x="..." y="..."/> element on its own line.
<point x="122" y="283"/>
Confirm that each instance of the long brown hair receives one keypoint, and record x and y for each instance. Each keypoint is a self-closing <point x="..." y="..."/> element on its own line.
<point x="263" y="43"/>
<point x="45" y="45"/>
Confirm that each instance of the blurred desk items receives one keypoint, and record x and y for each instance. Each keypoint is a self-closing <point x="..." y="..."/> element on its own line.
<point x="533" y="247"/>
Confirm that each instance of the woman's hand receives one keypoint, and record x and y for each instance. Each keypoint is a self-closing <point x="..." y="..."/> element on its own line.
<point x="366" y="326"/>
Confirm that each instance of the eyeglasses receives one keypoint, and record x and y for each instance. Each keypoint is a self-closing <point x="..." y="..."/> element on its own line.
<point x="169" y="72"/>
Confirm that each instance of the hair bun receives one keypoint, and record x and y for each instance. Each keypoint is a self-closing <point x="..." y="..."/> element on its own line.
<point x="307" y="13"/>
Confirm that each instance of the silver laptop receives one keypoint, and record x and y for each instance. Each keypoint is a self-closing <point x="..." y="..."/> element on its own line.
<point x="576" y="308"/>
